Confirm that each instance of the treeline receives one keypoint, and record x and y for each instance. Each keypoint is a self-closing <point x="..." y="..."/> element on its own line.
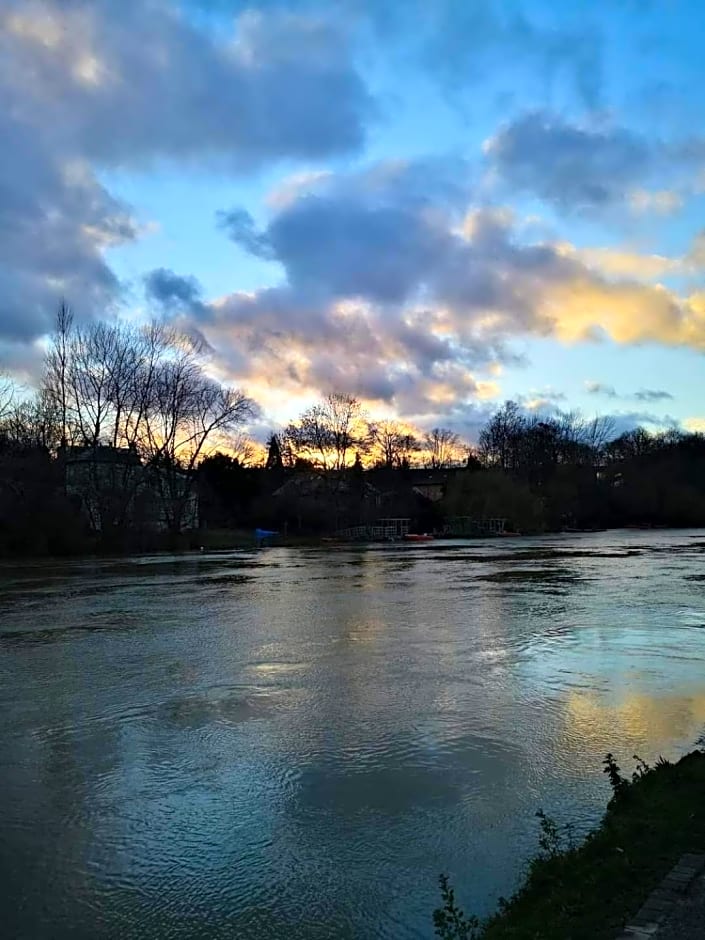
<point x="129" y="443"/>
<point x="537" y="473"/>
<point x="567" y="472"/>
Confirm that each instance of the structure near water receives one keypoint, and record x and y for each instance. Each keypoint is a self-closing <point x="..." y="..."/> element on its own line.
<point x="393" y="529"/>
<point x="388" y="530"/>
<point x="466" y="525"/>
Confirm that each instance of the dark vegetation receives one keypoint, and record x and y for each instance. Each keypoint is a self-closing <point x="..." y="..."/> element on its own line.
<point x="129" y="444"/>
<point x="589" y="891"/>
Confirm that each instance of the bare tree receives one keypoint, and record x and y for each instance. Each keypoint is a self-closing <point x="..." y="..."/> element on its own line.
<point x="131" y="394"/>
<point x="7" y="396"/>
<point x="34" y="423"/>
<point x="392" y="443"/>
<point x="328" y="433"/>
<point x="187" y="409"/>
<point x="499" y="439"/>
<point x="443" y="447"/>
<point x="241" y="448"/>
<point x="56" y="368"/>
<point x="599" y="432"/>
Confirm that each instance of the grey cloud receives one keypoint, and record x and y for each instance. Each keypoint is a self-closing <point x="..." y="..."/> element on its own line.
<point x="373" y="236"/>
<point x="131" y="81"/>
<point x="55" y="221"/>
<point x="171" y="290"/>
<point x="240" y="227"/>
<point x="599" y="388"/>
<point x="460" y="43"/>
<point x="381" y="281"/>
<point x="352" y="249"/>
<point x="644" y="394"/>
<point x="541" y="398"/>
<point x="652" y="394"/>
<point x="367" y="234"/>
<point x="627" y="421"/>
<point x="574" y="167"/>
<point x="93" y="85"/>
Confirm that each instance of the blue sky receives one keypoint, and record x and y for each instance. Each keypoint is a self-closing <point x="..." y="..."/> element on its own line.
<point x="432" y="206"/>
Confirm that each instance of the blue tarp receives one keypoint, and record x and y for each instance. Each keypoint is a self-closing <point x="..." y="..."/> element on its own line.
<point x="264" y="533"/>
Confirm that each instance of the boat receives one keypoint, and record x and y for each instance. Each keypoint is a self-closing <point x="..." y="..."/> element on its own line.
<point x="418" y="537"/>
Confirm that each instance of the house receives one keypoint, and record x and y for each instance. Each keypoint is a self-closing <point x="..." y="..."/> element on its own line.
<point x="326" y="500"/>
<point x="116" y="490"/>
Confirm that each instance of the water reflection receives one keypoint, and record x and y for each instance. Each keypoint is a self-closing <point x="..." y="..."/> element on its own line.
<point x="295" y="742"/>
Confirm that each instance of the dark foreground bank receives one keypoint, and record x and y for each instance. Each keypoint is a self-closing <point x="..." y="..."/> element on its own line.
<point x="592" y="890"/>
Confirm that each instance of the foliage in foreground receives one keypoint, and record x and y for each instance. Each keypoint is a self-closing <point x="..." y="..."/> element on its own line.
<point x="591" y="890"/>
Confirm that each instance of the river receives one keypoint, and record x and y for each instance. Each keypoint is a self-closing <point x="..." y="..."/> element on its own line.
<point x="295" y="742"/>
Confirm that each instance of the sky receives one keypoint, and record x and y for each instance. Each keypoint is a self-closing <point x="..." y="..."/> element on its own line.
<point x="432" y="206"/>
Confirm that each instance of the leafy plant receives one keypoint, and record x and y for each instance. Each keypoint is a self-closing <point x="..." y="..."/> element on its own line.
<point x="550" y="839"/>
<point x="450" y="921"/>
<point x="642" y="769"/>
<point x="619" y="784"/>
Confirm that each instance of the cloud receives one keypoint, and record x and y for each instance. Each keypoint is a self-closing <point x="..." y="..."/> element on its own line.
<point x="599" y="388"/>
<point x="90" y="86"/>
<point x="460" y="44"/>
<point x="695" y="257"/>
<point x="387" y="285"/>
<point x="546" y="401"/>
<point x="170" y="290"/>
<point x="571" y="166"/>
<point x="652" y="394"/>
<point x="589" y="167"/>
<point x="659" y="201"/>
<point x="616" y="262"/>
<point x="392" y="289"/>
<point x="56" y="219"/>
<point x="376" y="234"/>
<point x="624" y="421"/>
<point x="644" y="394"/>
<point x="240" y="227"/>
<point x="263" y="93"/>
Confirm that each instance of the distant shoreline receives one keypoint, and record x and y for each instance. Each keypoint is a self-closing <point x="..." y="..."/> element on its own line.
<point x="222" y="540"/>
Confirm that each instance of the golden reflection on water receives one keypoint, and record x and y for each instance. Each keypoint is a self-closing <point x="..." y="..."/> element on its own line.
<point x="656" y="720"/>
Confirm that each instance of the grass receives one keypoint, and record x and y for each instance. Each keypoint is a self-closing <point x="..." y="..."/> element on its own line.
<point x="591" y="891"/>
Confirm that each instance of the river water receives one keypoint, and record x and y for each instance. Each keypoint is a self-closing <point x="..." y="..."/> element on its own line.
<point x="295" y="742"/>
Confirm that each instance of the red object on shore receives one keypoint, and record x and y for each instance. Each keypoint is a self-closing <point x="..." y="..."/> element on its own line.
<point x="412" y="537"/>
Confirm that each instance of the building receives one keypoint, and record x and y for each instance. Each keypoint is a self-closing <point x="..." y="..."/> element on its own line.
<point x="116" y="490"/>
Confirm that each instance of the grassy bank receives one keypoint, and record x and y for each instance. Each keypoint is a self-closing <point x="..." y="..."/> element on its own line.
<point x="591" y="891"/>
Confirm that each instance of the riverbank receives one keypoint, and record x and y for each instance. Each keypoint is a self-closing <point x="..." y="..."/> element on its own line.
<point x="592" y="891"/>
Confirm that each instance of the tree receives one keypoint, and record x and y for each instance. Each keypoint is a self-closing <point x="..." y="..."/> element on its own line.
<point x="442" y="445"/>
<point x="392" y="444"/>
<point x="7" y="396"/>
<point x="499" y="439"/>
<point x="187" y="410"/>
<point x="142" y="393"/>
<point x="227" y="490"/>
<point x="274" y="453"/>
<point x="494" y="494"/>
<point x="56" y="369"/>
<point x="33" y="424"/>
<point x="241" y="447"/>
<point x="328" y="432"/>
<point x="632" y="445"/>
